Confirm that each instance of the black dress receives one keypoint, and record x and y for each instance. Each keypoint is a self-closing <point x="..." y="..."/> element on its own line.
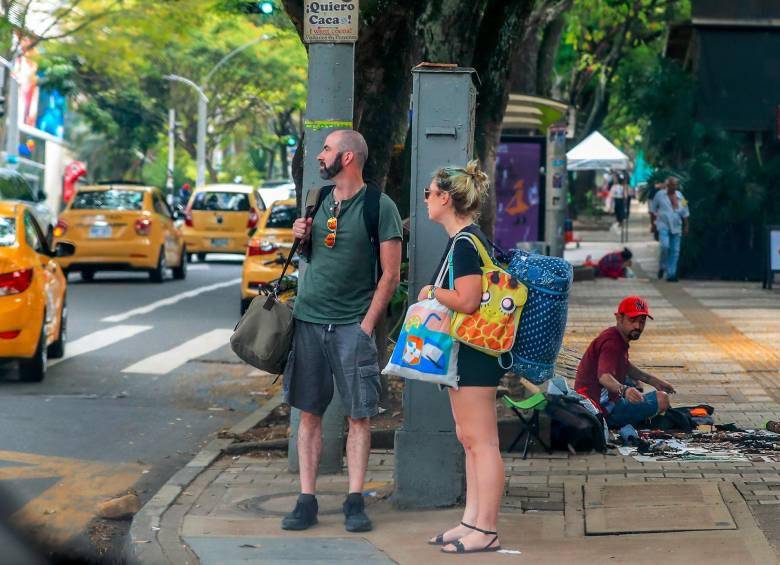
<point x="474" y="367"/>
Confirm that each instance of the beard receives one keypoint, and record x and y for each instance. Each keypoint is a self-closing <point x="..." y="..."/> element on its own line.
<point x="327" y="173"/>
<point x="634" y="335"/>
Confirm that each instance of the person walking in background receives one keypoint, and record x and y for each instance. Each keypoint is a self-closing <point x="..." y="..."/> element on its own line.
<point x="618" y="193"/>
<point x="454" y="199"/>
<point x="669" y="217"/>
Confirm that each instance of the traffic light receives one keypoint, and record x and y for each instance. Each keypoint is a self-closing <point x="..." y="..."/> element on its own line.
<point x="2" y="105"/>
<point x="292" y="141"/>
<point x="265" y="8"/>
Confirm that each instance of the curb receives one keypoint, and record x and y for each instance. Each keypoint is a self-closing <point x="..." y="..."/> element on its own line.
<point x="142" y="544"/>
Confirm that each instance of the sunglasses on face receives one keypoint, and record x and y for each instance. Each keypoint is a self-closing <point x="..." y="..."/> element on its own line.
<point x="428" y="192"/>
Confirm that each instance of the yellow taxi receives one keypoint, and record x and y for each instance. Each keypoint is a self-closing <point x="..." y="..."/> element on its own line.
<point x="121" y="226"/>
<point x="33" y="311"/>
<point x="268" y="249"/>
<point x="220" y="218"/>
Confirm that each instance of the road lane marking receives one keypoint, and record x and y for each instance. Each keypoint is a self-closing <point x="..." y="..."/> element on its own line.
<point x="198" y="267"/>
<point x="63" y="510"/>
<point x="169" y="301"/>
<point x="99" y="340"/>
<point x="167" y="361"/>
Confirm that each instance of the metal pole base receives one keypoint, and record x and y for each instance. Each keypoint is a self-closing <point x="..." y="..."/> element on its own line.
<point x="439" y="466"/>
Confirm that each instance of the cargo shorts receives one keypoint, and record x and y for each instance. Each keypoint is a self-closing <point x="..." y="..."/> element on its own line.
<point x="324" y="354"/>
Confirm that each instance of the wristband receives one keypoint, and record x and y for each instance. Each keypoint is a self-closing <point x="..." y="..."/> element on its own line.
<point x="623" y="390"/>
<point x="432" y="293"/>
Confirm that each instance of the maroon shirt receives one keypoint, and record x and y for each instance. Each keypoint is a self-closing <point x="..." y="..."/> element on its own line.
<point x="608" y="353"/>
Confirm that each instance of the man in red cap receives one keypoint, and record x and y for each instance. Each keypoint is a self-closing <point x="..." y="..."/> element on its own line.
<point x="609" y="379"/>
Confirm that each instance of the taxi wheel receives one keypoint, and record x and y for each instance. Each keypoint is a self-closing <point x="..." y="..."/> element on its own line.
<point x="57" y="349"/>
<point x="158" y="273"/>
<point x="180" y="272"/>
<point x="34" y="370"/>
<point x="201" y="257"/>
<point x="189" y="257"/>
<point x="88" y="275"/>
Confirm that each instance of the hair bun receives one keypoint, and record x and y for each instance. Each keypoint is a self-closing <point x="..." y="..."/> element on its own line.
<point x="478" y="176"/>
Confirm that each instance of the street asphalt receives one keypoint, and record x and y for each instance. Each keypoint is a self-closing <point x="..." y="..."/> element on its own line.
<point x="146" y="381"/>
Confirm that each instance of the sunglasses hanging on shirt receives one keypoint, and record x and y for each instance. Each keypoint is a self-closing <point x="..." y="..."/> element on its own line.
<point x="332" y="224"/>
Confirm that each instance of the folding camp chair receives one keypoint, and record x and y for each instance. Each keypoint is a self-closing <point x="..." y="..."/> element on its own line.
<point x="528" y="427"/>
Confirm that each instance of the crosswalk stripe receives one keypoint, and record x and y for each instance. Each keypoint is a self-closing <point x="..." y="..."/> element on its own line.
<point x="169" y="301"/>
<point x="167" y="361"/>
<point x="98" y="340"/>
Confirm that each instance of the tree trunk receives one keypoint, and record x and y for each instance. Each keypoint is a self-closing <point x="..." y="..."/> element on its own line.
<point x="501" y="32"/>
<point x="382" y="89"/>
<point x="548" y="51"/>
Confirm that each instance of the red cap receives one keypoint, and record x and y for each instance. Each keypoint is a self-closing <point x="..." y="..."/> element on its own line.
<point x="633" y="306"/>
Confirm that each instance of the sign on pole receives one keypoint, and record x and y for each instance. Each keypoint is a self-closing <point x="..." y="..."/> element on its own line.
<point x="333" y="21"/>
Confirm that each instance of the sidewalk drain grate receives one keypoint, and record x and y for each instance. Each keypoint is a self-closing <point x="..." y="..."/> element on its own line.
<point x="279" y="504"/>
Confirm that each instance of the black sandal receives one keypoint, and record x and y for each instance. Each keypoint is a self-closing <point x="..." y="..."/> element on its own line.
<point x="460" y="548"/>
<point x="440" y="538"/>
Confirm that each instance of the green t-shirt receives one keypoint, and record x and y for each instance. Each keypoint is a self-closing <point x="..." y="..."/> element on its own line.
<point x="338" y="284"/>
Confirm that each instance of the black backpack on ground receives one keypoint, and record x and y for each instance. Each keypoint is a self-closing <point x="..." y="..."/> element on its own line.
<point x="370" y="219"/>
<point x="573" y="425"/>
<point x="674" y="419"/>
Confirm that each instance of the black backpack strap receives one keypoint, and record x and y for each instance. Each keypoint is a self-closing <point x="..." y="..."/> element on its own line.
<point x="306" y="246"/>
<point x="371" y="219"/>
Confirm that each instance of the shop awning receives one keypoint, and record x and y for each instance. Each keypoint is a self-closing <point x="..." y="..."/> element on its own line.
<point x="596" y="152"/>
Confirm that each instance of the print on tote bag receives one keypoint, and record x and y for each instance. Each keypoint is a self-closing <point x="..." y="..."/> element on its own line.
<point x="425" y="351"/>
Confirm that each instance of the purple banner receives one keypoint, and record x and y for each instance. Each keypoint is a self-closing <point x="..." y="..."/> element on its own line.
<point x="517" y="192"/>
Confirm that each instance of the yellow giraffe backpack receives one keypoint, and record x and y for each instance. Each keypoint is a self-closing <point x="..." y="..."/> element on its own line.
<point x="492" y="328"/>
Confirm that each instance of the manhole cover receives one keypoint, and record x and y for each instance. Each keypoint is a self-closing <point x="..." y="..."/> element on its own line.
<point x="280" y="504"/>
<point x="662" y="507"/>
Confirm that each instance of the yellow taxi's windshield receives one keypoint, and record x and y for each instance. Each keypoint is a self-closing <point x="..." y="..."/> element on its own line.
<point x="221" y="201"/>
<point x="113" y="199"/>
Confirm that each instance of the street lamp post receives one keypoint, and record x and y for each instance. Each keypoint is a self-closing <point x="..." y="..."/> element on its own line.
<point x="12" y="127"/>
<point x="203" y="101"/>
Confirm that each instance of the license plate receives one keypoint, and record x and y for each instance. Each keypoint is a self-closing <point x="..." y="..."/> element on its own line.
<point x="219" y="242"/>
<point x="100" y="231"/>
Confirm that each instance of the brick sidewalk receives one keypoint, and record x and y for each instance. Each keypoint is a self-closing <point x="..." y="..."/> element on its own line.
<point x="718" y="343"/>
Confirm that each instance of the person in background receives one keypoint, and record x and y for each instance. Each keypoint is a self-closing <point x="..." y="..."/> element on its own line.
<point x="613" y="265"/>
<point x="611" y="381"/>
<point x="669" y="217"/>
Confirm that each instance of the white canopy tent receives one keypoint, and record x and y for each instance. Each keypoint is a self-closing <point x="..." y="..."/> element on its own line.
<point x="595" y="152"/>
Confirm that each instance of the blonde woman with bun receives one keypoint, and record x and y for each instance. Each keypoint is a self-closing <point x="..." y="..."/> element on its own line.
<point x="454" y="199"/>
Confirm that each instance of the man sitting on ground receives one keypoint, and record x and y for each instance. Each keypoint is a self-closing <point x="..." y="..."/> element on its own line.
<point x="609" y="379"/>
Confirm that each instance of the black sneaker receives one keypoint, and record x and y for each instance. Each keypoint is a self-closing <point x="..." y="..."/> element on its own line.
<point x="355" y="519"/>
<point x="660" y="274"/>
<point x="304" y="515"/>
<point x="672" y="279"/>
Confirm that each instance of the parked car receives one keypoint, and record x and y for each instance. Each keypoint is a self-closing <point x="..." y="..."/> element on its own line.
<point x="14" y="186"/>
<point x="220" y="218"/>
<point x="33" y="288"/>
<point x="121" y="226"/>
<point x="267" y="250"/>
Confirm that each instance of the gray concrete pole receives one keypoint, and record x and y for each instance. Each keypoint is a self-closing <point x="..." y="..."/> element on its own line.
<point x="171" y="148"/>
<point x="329" y="106"/>
<point x="429" y="462"/>
<point x="200" y="180"/>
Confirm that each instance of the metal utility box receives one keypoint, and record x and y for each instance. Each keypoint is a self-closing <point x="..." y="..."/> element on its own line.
<point x="429" y="468"/>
